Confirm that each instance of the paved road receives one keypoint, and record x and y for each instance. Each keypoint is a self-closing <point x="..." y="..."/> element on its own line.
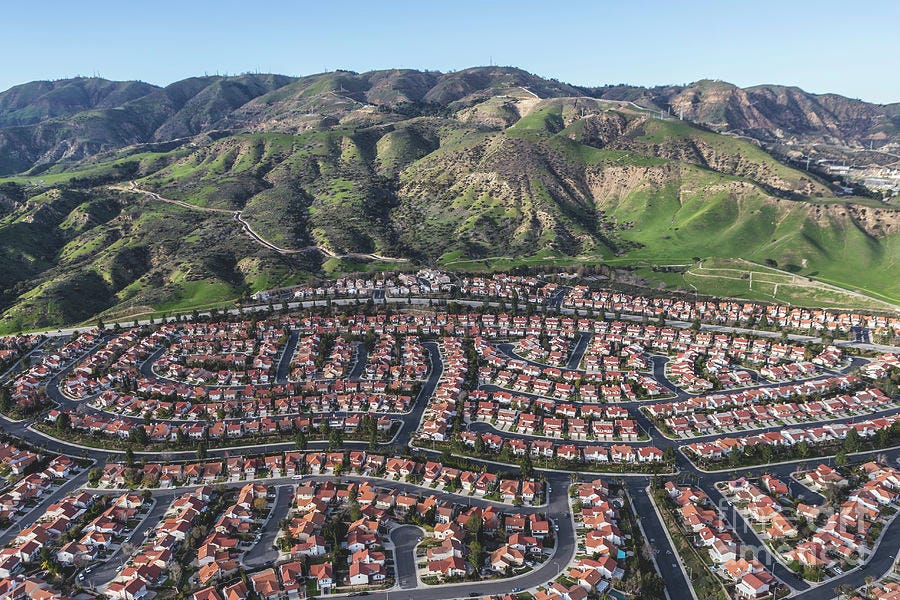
<point x="284" y="363"/>
<point x="264" y="552"/>
<point x="405" y="539"/>
<point x="360" y="357"/>
<point x="667" y="558"/>
<point x="584" y="339"/>
<point x="107" y="571"/>
<point x="38" y="511"/>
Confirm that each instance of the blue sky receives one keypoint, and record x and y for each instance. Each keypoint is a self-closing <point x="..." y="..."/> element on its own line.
<point x="848" y="48"/>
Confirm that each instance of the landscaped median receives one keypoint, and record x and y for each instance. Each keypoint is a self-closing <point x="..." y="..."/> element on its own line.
<point x="710" y="550"/>
<point x="705" y="583"/>
<point x="664" y="465"/>
<point x="141" y="442"/>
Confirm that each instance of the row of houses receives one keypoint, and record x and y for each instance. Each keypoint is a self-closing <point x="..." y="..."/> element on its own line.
<point x="761" y="507"/>
<point x="269" y="406"/>
<point x="709" y="532"/>
<point x="760" y="395"/>
<point x="522" y="290"/>
<point x="31" y="487"/>
<point x="25" y="548"/>
<point x="16" y="460"/>
<point x="534" y="424"/>
<point x="442" y="405"/>
<point x="881" y="367"/>
<point x="18" y="586"/>
<point x="789" y="436"/>
<point x="845" y="534"/>
<point x="295" y="463"/>
<point x="147" y="568"/>
<point x="598" y="530"/>
<point x="725" y="311"/>
<point x="861" y="402"/>
<point x="545" y="449"/>
<point x="172" y="431"/>
<point x="219" y="553"/>
<point x="502" y="404"/>
<point x="103" y="533"/>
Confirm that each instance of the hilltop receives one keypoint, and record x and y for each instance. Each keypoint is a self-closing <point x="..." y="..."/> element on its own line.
<point x="344" y="171"/>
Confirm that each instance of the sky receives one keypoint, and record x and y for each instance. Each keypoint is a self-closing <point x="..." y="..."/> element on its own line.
<point x="850" y="48"/>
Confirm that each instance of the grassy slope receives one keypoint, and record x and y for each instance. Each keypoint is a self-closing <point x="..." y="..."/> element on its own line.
<point x="466" y="197"/>
<point x="136" y="256"/>
<point x="674" y="225"/>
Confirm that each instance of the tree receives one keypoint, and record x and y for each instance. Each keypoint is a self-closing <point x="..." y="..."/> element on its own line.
<point x="840" y="459"/>
<point x="355" y="511"/>
<point x="475" y="554"/>
<point x="138" y="436"/>
<point x="175" y="571"/>
<point x="474" y="525"/>
<point x="48" y="562"/>
<point x="94" y="475"/>
<point x="335" y="439"/>
<point x="526" y="466"/>
<point x="851" y="442"/>
<point x="63" y="422"/>
<point x="129" y="456"/>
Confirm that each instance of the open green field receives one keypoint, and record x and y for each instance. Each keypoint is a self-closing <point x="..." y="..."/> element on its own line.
<point x="743" y="279"/>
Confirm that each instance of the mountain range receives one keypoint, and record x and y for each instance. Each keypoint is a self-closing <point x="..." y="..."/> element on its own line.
<point x="120" y="198"/>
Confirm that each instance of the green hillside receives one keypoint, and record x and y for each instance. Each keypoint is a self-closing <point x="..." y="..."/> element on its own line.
<point x="468" y="172"/>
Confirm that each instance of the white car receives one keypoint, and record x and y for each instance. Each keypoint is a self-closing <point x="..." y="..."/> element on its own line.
<point x="296" y="476"/>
